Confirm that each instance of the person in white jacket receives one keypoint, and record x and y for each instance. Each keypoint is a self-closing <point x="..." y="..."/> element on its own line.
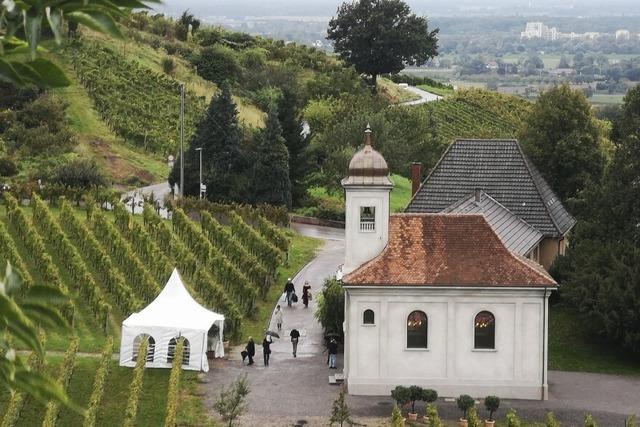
<point x="277" y="315"/>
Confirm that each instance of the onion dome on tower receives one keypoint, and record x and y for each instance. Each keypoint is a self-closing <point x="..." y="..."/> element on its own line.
<point x="367" y="166"/>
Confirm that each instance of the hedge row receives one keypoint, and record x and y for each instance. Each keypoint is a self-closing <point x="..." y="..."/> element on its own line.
<point x="233" y="249"/>
<point x="66" y="371"/>
<point x="100" y="261"/>
<point x="9" y="252"/>
<point x="204" y="284"/>
<point x="38" y="251"/>
<point x="98" y="384"/>
<point x="234" y="282"/>
<point x="136" y="387"/>
<point x="72" y="261"/>
<point x="133" y="269"/>
<point x="255" y="243"/>
<point x="174" y="385"/>
<point x="276" y="214"/>
<point x="272" y="233"/>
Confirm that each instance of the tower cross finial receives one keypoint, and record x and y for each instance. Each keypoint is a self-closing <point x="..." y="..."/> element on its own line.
<point x="367" y="135"/>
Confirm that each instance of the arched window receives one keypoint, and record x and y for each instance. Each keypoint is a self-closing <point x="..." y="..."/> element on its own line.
<point x="484" y="327"/>
<point x="151" y="347"/>
<point x="171" y="352"/>
<point x="368" y="317"/>
<point x="417" y="330"/>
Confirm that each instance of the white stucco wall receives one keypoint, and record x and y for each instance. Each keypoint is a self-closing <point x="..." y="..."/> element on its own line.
<point x="361" y="246"/>
<point x="377" y="358"/>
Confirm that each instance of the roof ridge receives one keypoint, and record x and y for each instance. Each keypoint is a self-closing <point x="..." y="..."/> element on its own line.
<point x="528" y="166"/>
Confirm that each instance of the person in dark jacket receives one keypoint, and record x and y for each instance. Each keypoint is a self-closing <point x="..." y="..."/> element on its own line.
<point x="266" y="350"/>
<point x="289" y="289"/>
<point x="251" y="350"/>
<point x="295" y="336"/>
<point x="306" y="294"/>
<point x="333" y="353"/>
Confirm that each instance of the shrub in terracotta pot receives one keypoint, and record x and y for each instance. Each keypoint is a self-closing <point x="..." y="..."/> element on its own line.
<point x="491" y="403"/>
<point x="429" y="396"/>
<point x="415" y="393"/>
<point x="401" y="395"/>
<point x="464" y="402"/>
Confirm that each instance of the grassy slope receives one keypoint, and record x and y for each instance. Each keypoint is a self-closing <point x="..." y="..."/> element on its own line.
<point x="573" y="348"/>
<point x="437" y="90"/>
<point x="394" y="93"/>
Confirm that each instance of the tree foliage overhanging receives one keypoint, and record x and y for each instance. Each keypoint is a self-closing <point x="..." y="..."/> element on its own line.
<point x="601" y="271"/>
<point x="381" y="36"/>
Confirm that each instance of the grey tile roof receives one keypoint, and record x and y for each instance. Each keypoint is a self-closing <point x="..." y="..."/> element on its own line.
<point x="500" y="169"/>
<point x="518" y="236"/>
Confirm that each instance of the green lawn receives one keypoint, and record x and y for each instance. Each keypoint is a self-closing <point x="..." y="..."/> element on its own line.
<point x="573" y="348"/>
<point x="302" y="250"/>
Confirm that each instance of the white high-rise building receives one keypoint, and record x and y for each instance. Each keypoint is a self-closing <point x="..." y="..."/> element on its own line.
<point x="537" y="30"/>
<point x="623" y="35"/>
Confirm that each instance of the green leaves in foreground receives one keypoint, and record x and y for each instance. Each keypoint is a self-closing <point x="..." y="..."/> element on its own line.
<point x="30" y="18"/>
<point x="18" y="319"/>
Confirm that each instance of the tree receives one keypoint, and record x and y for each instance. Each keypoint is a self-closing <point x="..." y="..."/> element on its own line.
<point x="79" y="173"/>
<point x="23" y="22"/>
<point x="601" y="270"/>
<point x="21" y="312"/>
<point x="231" y="401"/>
<point x="296" y="142"/>
<point x="187" y="25"/>
<point x="561" y="137"/>
<point x="271" y="182"/>
<point x="219" y="135"/>
<point x="330" y="312"/>
<point x="564" y="62"/>
<point x="491" y="403"/>
<point x="381" y="36"/>
<point x="218" y="64"/>
<point x="340" y="411"/>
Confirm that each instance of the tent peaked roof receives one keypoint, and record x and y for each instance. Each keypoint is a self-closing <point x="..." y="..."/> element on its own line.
<point x="174" y="307"/>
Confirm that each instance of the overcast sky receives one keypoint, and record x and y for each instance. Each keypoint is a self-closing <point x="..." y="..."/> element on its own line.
<point x="424" y="7"/>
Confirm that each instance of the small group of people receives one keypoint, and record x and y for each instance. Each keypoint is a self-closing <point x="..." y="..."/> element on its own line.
<point x="290" y="293"/>
<point x="294" y="334"/>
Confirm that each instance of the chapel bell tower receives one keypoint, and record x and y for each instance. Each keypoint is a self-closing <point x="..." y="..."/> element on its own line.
<point x="366" y="190"/>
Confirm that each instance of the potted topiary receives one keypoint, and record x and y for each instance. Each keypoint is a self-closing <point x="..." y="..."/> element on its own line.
<point x="429" y="396"/>
<point x="464" y="402"/>
<point x="415" y="393"/>
<point x="492" y="403"/>
<point x="401" y="395"/>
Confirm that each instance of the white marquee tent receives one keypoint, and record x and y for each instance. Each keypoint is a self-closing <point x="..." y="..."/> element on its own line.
<point x="174" y="313"/>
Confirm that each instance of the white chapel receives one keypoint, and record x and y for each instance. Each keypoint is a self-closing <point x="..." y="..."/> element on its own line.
<point x="436" y="299"/>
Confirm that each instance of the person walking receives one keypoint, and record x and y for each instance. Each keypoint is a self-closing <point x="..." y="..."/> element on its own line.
<point x="251" y="350"/>
<point x="295" y="336"/>
<point x="306" y="294"/>
<point x="333" y="353"/>
<point x="278" y="315"/>
<point x="290" y="290"/>
<point x="266" y="349"/>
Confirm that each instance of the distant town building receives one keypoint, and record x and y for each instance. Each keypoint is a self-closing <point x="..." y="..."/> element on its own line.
<point x="623" y="35"/>
<point x="537" y="30"/>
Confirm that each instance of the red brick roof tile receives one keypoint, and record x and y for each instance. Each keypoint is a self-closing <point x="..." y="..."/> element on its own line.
<point x="446" y="249"/>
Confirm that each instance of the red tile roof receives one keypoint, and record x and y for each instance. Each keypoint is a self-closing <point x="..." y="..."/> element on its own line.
<point x="446" y="249"/>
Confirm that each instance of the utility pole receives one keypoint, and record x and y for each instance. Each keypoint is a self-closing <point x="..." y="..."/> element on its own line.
<point x="201" y="184"/>
<point x="181" y="139"/>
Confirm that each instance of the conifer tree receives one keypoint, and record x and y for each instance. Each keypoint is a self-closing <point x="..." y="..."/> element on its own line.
<point x="296" y="142"/>
<point x="340" y="411"/>
<point x="271" y="182"/>
<point x="219" y="135"/>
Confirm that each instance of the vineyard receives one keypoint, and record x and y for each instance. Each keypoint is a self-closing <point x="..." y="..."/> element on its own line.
<point x="477" y="114"/>
<point x="111" y="264"/>
<point x="136" y="103"/>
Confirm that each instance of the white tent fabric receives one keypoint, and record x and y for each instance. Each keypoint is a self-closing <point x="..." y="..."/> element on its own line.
<point x="174" y="313"/>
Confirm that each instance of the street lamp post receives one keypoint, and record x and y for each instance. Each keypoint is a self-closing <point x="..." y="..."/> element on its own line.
<point x="202" y="186"/>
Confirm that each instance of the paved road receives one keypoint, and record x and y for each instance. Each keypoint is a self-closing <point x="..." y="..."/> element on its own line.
<point x="293" y="390"/>
<point x="159" y="190"/>
<point x="289" y="388"/>
<point x="423" y="94"/>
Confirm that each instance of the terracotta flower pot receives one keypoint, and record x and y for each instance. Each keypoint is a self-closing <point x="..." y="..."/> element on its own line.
<point x="489" y="423"/>
<point x="462" y="422"/>
<point x="412" y="417"/>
